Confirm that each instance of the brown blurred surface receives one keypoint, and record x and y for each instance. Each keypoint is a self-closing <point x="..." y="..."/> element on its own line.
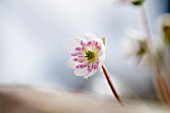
<point x="21" y="99"/>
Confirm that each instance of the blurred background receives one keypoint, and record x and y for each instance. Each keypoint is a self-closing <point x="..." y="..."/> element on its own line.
<point x="32" y="32"/>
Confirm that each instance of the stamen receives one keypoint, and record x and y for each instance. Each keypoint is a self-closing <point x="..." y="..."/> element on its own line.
<point x="95" y="66"/>
<point x="80" y="60"/>
<point x="78" y="48"/>
<point x="75" y="59"/>
<point x="74" y="54"/>
<point x="96" y="43"/>
<point x="82" y="43"/>
<point x="89" y="43"/>
<point x="97" y="62"/>
<point x="78" y="66"/>
<point x="90" y="67"/>
<point x="99" y="48"/>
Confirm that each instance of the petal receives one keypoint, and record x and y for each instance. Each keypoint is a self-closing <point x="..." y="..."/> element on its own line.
<point x="87" y="37"/>
<point x="91" y="73"/>
<point x="81" y="71"/>
<point x="71" y="63"/>
<point x="101" y="60"/>
<point x="71" y="44"/>
<point x="102" y="52"/>
<point x="102" y="46"/>
<point x="134" y="34"/>
<point x="90" y="36"/>
<point x="131" y="47"/>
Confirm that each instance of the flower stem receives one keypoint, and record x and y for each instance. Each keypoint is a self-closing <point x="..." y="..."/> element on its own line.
<point x="111" y="86"/>
<point x="161" y="84"/>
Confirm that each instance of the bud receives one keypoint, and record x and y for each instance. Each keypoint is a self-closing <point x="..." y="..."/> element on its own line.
<point x="103" y="40"/>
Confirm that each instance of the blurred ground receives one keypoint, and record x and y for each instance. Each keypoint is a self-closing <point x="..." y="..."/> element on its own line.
<point x="23" y="99"/>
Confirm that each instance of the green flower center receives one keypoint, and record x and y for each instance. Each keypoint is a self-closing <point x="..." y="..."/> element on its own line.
<point x="90" y="56"/>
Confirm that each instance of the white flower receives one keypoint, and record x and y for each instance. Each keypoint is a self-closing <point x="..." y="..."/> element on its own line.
<point x="162" y="26"/>
<point x="162" y="21"/>
<point x="135" y="44"/>
<point x="132" y="2"/>
<point x="162" y="44"/>
<point x="87" y="54"/>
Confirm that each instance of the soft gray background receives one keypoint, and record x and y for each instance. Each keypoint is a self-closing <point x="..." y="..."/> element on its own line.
<point x="32" y="32"/>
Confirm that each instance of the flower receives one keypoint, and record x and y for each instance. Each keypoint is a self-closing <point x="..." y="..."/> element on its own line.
<point x="87" y="54"/>
<point x="136" y="44"/>
<point x="164" y="23"/>
<point x="132" y="2"/>
<point x="162" y="28"/>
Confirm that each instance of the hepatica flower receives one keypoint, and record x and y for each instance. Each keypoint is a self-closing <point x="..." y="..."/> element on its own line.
<point x="87" y="54"/>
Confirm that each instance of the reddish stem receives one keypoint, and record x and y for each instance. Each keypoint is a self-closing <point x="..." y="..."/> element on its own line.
<point x="111" y="86"/>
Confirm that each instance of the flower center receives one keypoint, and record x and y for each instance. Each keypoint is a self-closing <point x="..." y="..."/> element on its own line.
<point x="87" y="55"/>
<point x="90" y="55"/>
